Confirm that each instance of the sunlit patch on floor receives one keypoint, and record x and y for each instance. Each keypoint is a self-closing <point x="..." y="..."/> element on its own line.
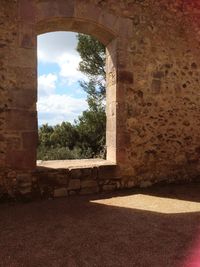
<point x="151" y="203"/>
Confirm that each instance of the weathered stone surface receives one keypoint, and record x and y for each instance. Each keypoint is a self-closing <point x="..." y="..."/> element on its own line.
<point x="24" y="191"/>
<point x="109" y="187"/>
<point x="20" y="159"/>
<point x="75" y="173"/>
<point x="19" y="120"/>
<point x="145" y="184"/>
<point x="107" y="172"/>
<point x="60" y="192"/>
<point x="74" y="184"/>
<point x="153" y="102"/>
<point x="89" y="190"/>
<point x="88" y="183"/>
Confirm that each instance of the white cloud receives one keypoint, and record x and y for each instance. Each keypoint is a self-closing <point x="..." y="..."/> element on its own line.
<point x="52" y="45"/>
<point x="60" y="48"/>
<point x="68" y="64"/>
<point x="54" y="109"/>
<point x="47" y="84"/>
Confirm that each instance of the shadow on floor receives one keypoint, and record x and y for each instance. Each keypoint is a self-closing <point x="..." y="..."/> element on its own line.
<point x="79" y="232"/>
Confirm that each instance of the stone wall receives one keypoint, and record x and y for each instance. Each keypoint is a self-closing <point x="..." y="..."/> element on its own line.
<point x="161" y="106"/>
<point x="153" y="95"/>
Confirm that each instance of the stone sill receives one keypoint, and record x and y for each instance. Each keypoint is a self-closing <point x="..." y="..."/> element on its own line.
<point x="74" y="164"/>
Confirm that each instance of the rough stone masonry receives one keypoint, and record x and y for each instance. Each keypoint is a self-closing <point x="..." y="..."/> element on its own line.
<point x="153" y="93"/>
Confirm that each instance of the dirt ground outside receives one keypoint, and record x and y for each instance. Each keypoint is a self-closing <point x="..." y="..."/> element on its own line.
<point x="157" y="227"/>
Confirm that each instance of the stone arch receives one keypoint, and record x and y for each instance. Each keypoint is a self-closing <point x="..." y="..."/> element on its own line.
<point x="36" y="17"/>
<point x="105" y="34"/>
<point x="81" y="16"/>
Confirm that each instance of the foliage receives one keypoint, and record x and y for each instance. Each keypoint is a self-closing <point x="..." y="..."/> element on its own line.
<point x="92" y="123"/>
<point x="64" y="135"/>
<point x="57" y="153"/>
<point x="93" y="57"/>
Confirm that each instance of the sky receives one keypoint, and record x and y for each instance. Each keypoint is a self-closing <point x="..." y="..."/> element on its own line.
<point x="60" y="97"/>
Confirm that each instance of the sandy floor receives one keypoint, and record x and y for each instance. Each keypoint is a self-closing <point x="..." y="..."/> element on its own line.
<point x="158" y="227"/>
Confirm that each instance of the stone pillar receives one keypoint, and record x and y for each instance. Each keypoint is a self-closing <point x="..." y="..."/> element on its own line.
<point x="20" y="115"/>
<point x="111" y="85"/>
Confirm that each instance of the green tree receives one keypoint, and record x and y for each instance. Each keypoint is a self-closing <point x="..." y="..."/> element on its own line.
<point x="64" y="135"/>
<point x="45" y="132"/>
<point x="58" y="142"/>
<point x="91" y="124"/>
<point x="93" y="56"/>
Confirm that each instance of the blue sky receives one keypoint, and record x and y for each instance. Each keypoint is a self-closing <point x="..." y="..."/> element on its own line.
<point x="60" y="97"/>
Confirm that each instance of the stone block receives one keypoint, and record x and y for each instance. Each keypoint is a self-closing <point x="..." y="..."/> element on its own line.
<point x="21" y="120"/>
<point x="2" y="138"/>
<point x="124" y="140"/>
<point x="30" y="140"/>
<point x="13" y="143"/>
<point x="145" y="184"/>
<point x="107" y="172"/>
<point x="111" y="124"/>
<point x="27" y="11"/>
<point x="88" y="183"/>
<point x="111" y="139"/>
<point x="72" y="193"/>
<point x="62" y="179"/>
<point x="89" y="190"/>
<point x="75" y="173"/>
<point x="111" y="78"/>
<point x="74" y="184"/>
<point x="111" y="97"/>
<point x="24" y="185"/>
<point x="25" y="191"/>
<point x="111" y="110"/>
<point x="21" y="159"/>
<point x="27" y="37"/>
<point x="21" y="58"/>
<point x="24" y="178"/>
<point x="86" y="173"/>
<point x="156" y="86"/>
<point x="22" y="98"/>
<point x="130" y="184"/>
<point x="83" y="172"/>
<point x="60" y="192"/>
<point x="125" y="77"/>
<point x="111" y="153"/>
<point x="66" y="8"/>
<point x="63" y="9"/>
<point x="12" y="175"/>
<point x="26" y="79"/>
<point x="158" y="74"/>
<point x="109" y="187"/>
